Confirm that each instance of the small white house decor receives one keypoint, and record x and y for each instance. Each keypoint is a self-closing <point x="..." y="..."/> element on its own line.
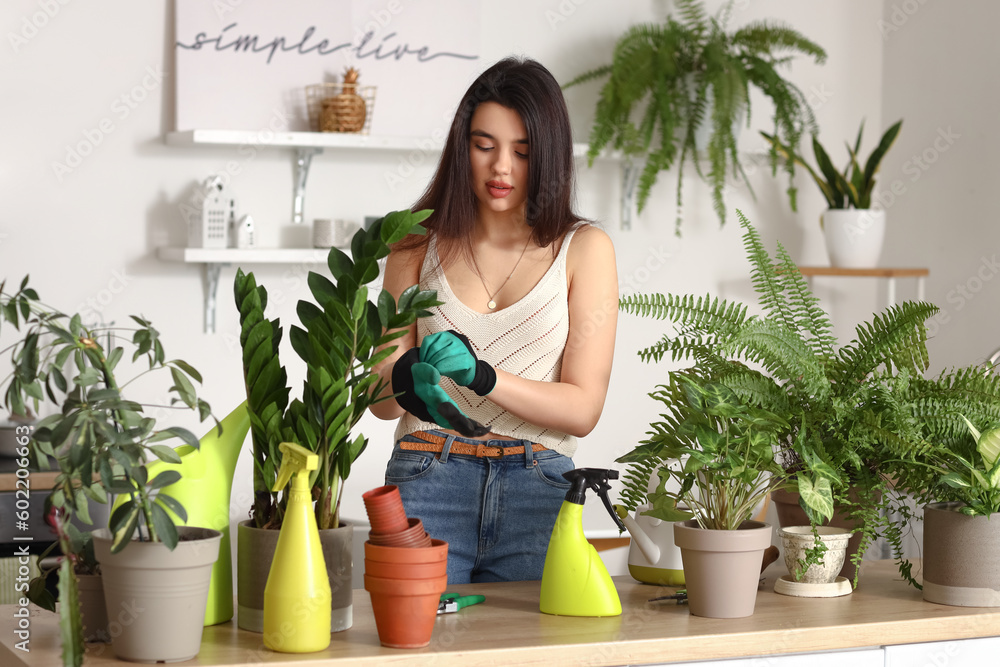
<point x="210" y="228"/>
<point x="242" y="233"/>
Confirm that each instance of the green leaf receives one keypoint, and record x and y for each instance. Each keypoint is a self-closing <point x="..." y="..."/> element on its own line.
<point x="339" y="263"/>
<point x="173" y="505"/>
<point x="165" y="453"/>
<point x="817" y="496"/>
<point x="164" y="526"/>
<point x="123" y="523"/>
<point x="165" y="478"/>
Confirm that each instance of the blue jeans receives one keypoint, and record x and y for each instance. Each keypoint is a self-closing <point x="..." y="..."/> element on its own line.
<point x="495" y="513"/>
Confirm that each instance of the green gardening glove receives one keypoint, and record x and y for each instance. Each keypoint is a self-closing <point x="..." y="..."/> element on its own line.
<point x="451" y="354"/>
<point x="444" y="411"/>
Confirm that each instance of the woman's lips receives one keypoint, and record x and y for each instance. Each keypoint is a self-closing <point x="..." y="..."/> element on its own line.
<point x="498" y="189"/>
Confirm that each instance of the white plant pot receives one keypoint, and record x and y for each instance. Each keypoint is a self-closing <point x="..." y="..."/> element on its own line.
<point x="795" y="540"/>
<point x="854" y="237"/>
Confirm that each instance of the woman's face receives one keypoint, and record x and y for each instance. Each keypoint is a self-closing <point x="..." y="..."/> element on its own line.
<point x="498" y="153"/>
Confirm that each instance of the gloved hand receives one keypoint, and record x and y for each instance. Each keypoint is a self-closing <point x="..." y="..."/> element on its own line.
<point x="451" y="354"/>
<point x="419" y="393"/>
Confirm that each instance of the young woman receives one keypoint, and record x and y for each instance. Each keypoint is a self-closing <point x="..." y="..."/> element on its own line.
<point x="533" y="290"/>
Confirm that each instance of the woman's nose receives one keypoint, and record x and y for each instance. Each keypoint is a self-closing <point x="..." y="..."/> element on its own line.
<point x="501" y="165"/>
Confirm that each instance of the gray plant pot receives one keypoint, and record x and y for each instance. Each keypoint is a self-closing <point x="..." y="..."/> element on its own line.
<point x="156" y="597"/>
<point x="722" y="567"/>
<point x="254" y="553"/>
<point x="961" y="557"/>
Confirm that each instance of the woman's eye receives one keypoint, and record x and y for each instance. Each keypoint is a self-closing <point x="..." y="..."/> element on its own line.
<point x="484" y="148"/>
<point x="523" y="156"/>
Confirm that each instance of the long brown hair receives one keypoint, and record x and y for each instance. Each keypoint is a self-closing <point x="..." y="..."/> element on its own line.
<point x="525" y="86"/>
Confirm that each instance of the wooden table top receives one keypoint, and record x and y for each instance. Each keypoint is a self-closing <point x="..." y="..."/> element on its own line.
<point x="509" y="629"/>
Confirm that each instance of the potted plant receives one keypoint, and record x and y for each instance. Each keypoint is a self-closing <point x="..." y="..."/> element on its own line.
<point x="955" y="474"/>
<point x="854" y="231"/>
<point x="686" y="73"/>
<point x="339" y="342"/>
<point x="719" y="464"/>
<point x="101" y="442"/>
<point x="840" y="403"/>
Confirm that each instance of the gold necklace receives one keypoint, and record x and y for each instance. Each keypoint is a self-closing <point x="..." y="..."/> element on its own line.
<point x="492" y="304"/>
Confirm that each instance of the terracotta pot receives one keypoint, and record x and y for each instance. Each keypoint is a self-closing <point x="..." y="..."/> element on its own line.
<point x="406" y="570"/>
<point x="255" y="551"/>
<point x="961" y="557"/>
<point x="437" y="552"/>
<point x="385" y="510"/>
<point x="722" y="567"/>
<point x="156" y="597"/>
<point x="790" y="513"/>
<point x="405" y="609"/>
<point x="413" y="536"/>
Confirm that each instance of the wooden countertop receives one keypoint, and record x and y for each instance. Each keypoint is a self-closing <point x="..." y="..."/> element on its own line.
<point x="41" y="482"/>
<point x="509" y="629"/>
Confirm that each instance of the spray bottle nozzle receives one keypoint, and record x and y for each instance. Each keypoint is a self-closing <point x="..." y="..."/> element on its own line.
<point x="294" y="459"/>
<point x="597" y="480"/>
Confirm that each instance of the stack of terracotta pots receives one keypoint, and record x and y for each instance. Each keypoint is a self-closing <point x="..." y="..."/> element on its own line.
<point x="405" y="571"/>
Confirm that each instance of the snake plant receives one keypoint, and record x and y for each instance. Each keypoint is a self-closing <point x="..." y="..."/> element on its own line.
<point x="851" y="187"/>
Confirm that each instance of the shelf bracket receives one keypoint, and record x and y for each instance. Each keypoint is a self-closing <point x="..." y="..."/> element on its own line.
<point x="210" y="275"/>
<point x="630" y="177"/>
<point x="303" y="159"/>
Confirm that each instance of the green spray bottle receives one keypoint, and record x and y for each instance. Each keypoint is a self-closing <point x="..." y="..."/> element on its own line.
<point x="575" y="581"/>
<point x="297" y="594"/>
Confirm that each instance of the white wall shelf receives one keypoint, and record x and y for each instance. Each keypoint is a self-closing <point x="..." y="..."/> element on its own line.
<point x="308" y="144"/>
<point x="213" y="259"/>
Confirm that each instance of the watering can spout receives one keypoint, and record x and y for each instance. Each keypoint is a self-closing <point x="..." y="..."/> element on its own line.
<point x="648" y="548"/>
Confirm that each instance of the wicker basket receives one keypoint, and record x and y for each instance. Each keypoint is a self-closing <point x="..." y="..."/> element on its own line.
<point x="328" y="113"/>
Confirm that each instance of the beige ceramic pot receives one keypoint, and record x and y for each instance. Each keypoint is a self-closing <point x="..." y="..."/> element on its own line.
<point x="722" y="567"/>
<point x="156" y="597"/>
<point x="255" y="551"/>
<point x="961" y="557"/>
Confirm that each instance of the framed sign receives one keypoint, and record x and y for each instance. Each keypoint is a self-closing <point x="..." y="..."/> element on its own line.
<point x="245" y="64"/>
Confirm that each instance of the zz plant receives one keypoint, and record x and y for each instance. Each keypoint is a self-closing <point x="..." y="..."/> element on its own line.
<point x="99" y="439"/>
<point x="667" y="80"/>
<point x="344" y="335"/>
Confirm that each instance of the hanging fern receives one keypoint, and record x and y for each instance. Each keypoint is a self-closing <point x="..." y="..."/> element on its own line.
<point x="689" y="71"/>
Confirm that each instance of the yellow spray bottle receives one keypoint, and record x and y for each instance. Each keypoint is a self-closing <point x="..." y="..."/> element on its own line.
<point x="297" y="595"/>
<point x="574" y="580"/>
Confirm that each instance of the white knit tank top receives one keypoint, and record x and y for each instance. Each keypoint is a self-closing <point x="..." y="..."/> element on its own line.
<point x="526" y="338"/>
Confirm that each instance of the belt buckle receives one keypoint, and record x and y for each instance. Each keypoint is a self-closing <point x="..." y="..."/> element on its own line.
<point x="482" y="451"/>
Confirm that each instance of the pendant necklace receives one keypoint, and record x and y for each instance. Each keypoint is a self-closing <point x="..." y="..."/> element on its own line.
<point x="492" y="304"/>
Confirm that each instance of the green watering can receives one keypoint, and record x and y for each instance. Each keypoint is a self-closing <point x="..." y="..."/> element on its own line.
<point x="204" y="490"/>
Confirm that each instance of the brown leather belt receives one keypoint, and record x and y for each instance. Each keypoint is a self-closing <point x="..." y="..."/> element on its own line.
<point x="436" y="445"/>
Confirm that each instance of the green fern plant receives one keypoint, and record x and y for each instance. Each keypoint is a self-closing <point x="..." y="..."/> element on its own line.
<point x="667" y="80"/>
<point x="848" y="408"/>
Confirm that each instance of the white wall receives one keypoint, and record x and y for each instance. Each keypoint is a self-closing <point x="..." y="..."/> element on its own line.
<point x="90" y="236"/>
<point x="939" y="72"/>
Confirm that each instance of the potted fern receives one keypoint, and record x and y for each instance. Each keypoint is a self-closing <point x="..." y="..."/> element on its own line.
<point x="854" y="231"/>
<point x="718" y="465"/>
<point x="841" y="403"/>
<point x="688" y="73"/>
<point x="102" y="443"/>
<point x="339" y="343"/>
<point x="955" y="475"/>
